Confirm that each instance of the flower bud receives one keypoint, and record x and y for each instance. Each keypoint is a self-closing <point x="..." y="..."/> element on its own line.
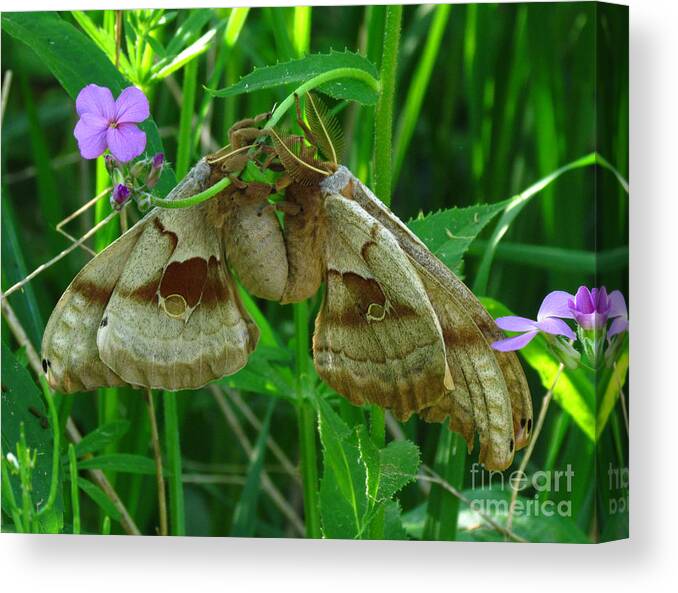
<point x="143" y="201"/>
<point x="120" y="195"/>
<point x="157" y="165"/>
<point x="111" y="163"/>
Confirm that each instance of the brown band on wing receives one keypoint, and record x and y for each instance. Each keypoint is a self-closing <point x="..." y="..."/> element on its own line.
<point x="185" y="278"/>
<point x="93" y="292"/>
<point x="163" y="231"/>
<point x="147" y="292"/>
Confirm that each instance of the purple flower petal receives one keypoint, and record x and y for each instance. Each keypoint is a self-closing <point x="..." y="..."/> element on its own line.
<point x="131" y="106"/>
<point x="90" y="132"/>
<point x="601" y="300"/>
<point x="556" y="327"/>
<point x="618" y="326"/>
<point x="618" y="305"/>
<point x="96" y="100"/>
<point x="583" y="301"/>
<point x="591" y="320"/>
<point x="126" y="142"/>
<point x="555" y="305"/>
<point x="515" y="324"/>
<point x="515" y="343"/>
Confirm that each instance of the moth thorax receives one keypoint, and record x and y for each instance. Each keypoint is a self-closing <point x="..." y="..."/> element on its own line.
<point x="174" y="305"/>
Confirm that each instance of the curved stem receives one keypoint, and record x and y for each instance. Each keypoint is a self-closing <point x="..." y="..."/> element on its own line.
<point x="316" y="81"/>
<point x="54" y="420"/>
<point x="210" y="192"/>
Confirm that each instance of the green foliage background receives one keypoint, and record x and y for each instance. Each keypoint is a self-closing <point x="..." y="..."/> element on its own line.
<point x="489" y="100"/>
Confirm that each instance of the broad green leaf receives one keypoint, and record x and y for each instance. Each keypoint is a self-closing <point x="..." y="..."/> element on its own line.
<point x="196" y="48"/>
<point x="301" y="70"/>
<point x="104" y="40"/>
<point x="120" y="462"/>
<point x="369" y="456"/>
<point x="188" y="30"/>
<point x="101" y="437"/>
<point x="22" y="403"/>
<point x="448" y="233"/>
<point x="399" y="464"/>
<point x="98" y="496"/>
<point x="339" y="519"/>
<point x="574" y="390"/>
<point x="393" y="522"/>
<point x="343" y="489"/>
<point x="245" y="516"/>
<point x="260" y="376"/>
<point x="76" y="61"/>
<point x="548" y="522"/>
<point x="14" y="270"/>
<point x="414" y="521"/>
<point x="342" y="456"/>
<point x="610" y="387"/>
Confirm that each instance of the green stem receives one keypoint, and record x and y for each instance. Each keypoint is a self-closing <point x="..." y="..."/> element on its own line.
<point x="173" y="449"/>
<point x="316" y="81"/>
<point x="383" y="172"/>
<point x="54" y="482"/>
<point x="193" y="200"/>
<point x="75" y="498"/>
<point x="443" y="507"/>
<point x="383" y="129"/>
<point x="8" y="495"/>
<point x="307" y="424"/>
<point x="186" y="118"/>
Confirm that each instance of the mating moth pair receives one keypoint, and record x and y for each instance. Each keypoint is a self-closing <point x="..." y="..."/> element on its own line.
<point x="159" y="308"/>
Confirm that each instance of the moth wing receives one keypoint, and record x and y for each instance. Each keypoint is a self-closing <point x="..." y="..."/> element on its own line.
<point x="377" y="339"/>
<point x="69" y="345"/>
<point x="174" y="320"/>
<point x="443" y="288"/>
<point x="480" y="398"/>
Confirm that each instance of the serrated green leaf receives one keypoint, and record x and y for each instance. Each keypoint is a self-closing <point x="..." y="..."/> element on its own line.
<point x="301" y="70"/>
<point x="369" y="455"/>
<point x="98" y="496"/>
<point x="343" y="492"/>
<point x="448" y="233"/>
<point x="101" y="437"/>
<point x="120" y="462"/>
<point x="393" y="523"/>
<point x="22" y="403"/>
<point x="399" y="462"/>
<point x="260" y="376"/>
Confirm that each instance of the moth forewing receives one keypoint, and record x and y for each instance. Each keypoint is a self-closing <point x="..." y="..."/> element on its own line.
<point x="155" y="299"/>
<point x="377" y="339"/>
<point x="515" y="391"/>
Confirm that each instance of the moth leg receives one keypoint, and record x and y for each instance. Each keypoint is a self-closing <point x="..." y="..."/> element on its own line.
<point x="288" y="208"/>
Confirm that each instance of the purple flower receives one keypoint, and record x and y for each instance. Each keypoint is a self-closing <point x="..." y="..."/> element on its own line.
<point x="120" y="195"/>
<point x="547" y="321"/>
<point x="590" y="308"/>
<point x="105" y="123"/>
<point x="619" y="313"/>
